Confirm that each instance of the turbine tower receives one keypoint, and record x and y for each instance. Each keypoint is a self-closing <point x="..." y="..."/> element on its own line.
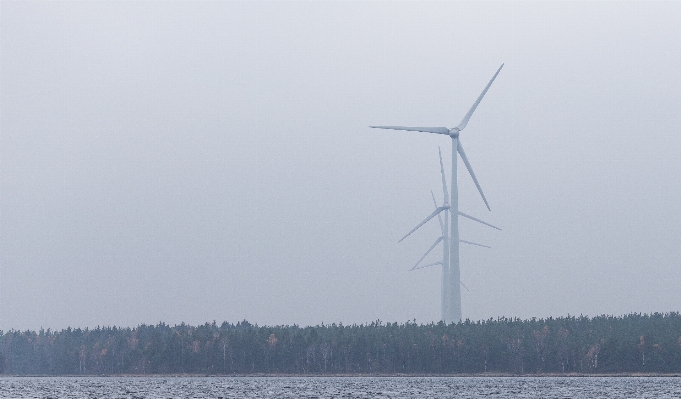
<point x="451" y="273"/>
<point x="444" y="238"/>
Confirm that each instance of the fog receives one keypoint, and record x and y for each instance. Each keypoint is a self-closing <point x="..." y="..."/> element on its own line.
<point x="191" y="162"/>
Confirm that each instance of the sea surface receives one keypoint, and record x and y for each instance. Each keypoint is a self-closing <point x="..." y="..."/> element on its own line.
<point x="340" y="387"/>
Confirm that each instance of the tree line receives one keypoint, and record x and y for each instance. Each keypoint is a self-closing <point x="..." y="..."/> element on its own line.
<point x="604" y="344"/>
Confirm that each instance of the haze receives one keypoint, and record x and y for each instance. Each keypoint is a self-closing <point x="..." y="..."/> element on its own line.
<point x="191" y="162"/>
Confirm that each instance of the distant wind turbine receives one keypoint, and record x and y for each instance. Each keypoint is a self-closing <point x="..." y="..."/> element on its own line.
<point x="444" y="237"/>
<point x="451" y="272"/>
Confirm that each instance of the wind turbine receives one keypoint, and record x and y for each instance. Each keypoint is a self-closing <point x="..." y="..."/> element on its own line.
<point x="451" y="273"/>
<point x="444" y="237"/>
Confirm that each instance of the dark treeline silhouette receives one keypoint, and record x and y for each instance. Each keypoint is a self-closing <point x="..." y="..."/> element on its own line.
<point x="604" y="344"/>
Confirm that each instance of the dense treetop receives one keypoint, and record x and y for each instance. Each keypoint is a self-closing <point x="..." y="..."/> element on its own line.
<point x="603" y="344"/>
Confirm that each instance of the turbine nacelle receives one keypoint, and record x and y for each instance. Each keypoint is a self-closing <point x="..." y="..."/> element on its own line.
<point x="454" y="132"/>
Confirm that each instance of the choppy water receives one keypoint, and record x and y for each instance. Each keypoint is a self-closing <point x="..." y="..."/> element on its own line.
<point x="340" y="387"/>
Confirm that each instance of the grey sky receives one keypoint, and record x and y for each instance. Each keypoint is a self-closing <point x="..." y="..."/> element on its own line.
<point x="212" y="161"/>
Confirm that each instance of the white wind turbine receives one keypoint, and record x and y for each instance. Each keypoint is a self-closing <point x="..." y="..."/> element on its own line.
<point x="451" y="311"/>
<point x="444" y="237"/>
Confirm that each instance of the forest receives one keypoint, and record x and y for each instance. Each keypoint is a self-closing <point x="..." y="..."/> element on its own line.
<point x="635" y="343"/>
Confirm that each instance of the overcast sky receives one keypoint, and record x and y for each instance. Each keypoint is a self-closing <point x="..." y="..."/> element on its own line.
<point x="191" y="162"/>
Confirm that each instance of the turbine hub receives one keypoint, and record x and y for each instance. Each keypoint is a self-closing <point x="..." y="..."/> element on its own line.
<point x="454" y="132"/>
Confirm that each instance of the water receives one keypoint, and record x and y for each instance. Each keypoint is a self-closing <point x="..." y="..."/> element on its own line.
<point x="340" y="387"/>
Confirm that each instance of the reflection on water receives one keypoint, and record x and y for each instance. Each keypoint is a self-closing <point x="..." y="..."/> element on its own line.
<point x="340" y="387"/>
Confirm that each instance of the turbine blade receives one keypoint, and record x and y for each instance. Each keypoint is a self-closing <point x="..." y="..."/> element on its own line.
<point x="432" y="215"/>
<point x="478" y="220"/>
<point x="464" y="285"/>
<point x="465" y="119"/>
<point x="427" y="252"/>
<point x="473" y="243"/>
<point x="444" y="180"/>
<point x="439" y="130"/>
<point x="470" y="170"/>
<point x="439" y="217"/>
<point x="428" y="265"/>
